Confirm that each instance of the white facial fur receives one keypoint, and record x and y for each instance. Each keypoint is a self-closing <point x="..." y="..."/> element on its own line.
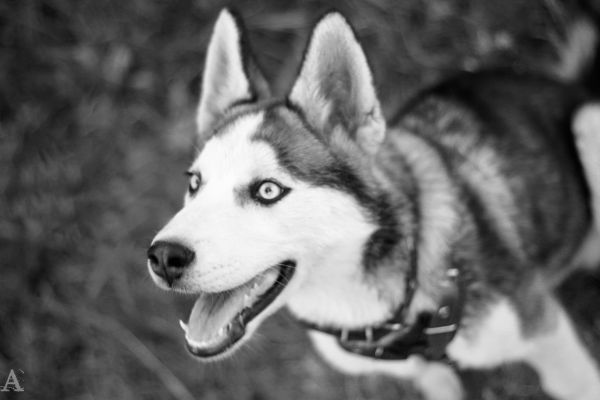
<point x="320" y="228"/>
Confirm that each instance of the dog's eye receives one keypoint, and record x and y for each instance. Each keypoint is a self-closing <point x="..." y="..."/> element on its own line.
<point x="194" y="183"/>
<point x="268" y="192"/>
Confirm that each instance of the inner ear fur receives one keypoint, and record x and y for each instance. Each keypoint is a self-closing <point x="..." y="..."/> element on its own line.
<point x="334" y="88"/>
<point x="231" y="75"/>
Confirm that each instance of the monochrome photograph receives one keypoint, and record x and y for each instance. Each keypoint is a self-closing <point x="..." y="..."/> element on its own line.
<point x="311" y="200"/>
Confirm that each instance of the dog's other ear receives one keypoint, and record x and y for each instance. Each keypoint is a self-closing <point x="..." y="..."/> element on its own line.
<point x="335" y="88"/>
<point x="231" y="75"/>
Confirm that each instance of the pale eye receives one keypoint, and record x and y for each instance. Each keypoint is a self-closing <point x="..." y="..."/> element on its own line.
<point x="268" y="192"/>
<point x="194" y="183"/>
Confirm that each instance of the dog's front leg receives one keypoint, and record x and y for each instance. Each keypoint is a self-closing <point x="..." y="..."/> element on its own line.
<point x="566" y="369"/>
<point x="436" y="381"/>
<point x="586" y="127"/>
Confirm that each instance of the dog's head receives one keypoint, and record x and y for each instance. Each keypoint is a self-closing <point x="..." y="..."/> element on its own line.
<point x="277" y="202"/>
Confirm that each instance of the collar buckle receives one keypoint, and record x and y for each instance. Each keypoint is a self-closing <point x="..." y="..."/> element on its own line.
<point x="393" y="326"/>
<point x="344" y="335"/>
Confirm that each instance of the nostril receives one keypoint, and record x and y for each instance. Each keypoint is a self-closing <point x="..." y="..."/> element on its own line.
<point x="153" y="255"/>
<point x="176" y="261"/>
<point x="153" y="260"/>
<point x="177" y="256"/>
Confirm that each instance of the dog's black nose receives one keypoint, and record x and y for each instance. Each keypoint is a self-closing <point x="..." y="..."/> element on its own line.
<point x="168" y="260"/>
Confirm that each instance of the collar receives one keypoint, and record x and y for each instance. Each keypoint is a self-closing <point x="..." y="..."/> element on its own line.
<point x="395" y="339"/>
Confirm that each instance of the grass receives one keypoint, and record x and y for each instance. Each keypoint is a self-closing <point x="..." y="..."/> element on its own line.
<point x="97" y="101"/>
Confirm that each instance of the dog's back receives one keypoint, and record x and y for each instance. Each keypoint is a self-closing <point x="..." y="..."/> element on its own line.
<point x="508" y="138"/>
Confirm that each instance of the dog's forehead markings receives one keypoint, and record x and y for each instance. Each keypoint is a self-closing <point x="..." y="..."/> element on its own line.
<point x="232" y="153"/>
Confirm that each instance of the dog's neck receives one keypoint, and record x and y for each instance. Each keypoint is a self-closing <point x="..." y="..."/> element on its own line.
<point x="343" y="291"/>
<point x="338" y="291"/>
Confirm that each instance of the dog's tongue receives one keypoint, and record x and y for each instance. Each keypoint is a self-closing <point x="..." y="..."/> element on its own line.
<point x="218" y="320"/>
<point x="212" y="314"/>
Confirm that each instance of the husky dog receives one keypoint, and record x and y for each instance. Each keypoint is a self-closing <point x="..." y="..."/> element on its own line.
<point x="401" y="246"/>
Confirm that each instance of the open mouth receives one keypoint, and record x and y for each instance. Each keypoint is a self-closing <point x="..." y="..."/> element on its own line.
<point x="218" y="320"/>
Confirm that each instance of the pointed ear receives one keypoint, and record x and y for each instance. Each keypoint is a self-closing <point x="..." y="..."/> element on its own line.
<point x="230" y="74"/>
<point x="335" y="88"/>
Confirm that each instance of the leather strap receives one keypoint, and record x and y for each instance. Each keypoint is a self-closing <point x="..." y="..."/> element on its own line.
<point x="394" y="339"/>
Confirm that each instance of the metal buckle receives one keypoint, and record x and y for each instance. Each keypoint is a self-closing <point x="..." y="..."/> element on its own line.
<point x="438" y="330"/>
<point x="452" y="273"/>
<point x="393" y="326"/>
<point x="369" y="334"/>
<point x="344" y="335"/>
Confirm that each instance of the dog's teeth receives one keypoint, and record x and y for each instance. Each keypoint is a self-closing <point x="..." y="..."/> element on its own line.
<point x="183" y="326"/>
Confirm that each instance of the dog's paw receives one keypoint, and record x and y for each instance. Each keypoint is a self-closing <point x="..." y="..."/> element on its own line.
<point x="586" y="127"/>
<point x="439" y="382"/>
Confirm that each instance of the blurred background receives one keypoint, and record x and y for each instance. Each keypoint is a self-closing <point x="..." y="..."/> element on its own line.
<point x="97" y="103"/>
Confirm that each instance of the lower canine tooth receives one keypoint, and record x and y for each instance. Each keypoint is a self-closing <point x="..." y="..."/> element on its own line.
<point x="183" y="326"/>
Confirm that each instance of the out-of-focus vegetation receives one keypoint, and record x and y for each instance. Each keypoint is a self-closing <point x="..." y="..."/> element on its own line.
<point x="96" y="126"/>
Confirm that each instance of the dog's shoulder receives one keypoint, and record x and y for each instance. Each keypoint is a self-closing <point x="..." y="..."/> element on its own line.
<point x="505" y="138"/>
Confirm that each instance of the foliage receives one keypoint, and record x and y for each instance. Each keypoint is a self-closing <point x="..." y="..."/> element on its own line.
<point x="96" y="125"/>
